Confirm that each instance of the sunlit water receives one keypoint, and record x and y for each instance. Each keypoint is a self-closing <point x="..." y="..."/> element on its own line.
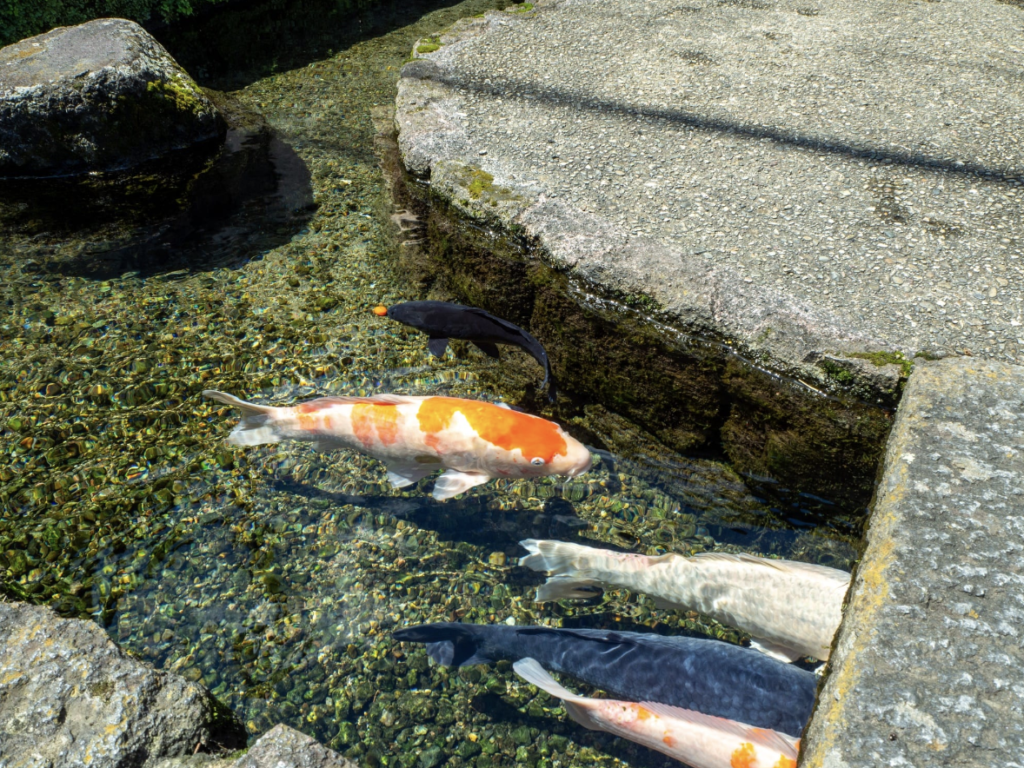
<point x="275" y="575"/>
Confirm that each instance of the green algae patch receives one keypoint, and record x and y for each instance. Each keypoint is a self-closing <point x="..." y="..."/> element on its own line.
<point x="880" y="359"/>
<point x="181" y="93"/>
<point x="482" y="182"/>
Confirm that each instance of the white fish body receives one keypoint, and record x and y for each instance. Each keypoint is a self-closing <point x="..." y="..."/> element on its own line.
<point x="474" y="441"/>
<point x="699" y="740"/>
<point x="790" y="609"/>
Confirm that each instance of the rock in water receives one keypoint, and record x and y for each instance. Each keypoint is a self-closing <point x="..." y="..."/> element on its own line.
<point x="70" y="697"/>
<point x="100" y="96"/>
<point x="280" y="747"/>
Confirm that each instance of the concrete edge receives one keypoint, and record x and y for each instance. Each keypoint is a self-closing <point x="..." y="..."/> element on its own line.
<point x="690" y="293"/>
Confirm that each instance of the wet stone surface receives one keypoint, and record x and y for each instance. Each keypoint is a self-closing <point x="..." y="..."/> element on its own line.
<point x="273" y="576"/>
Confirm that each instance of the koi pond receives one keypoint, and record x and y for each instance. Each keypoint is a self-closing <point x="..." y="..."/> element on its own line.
<point x="275" y="575"/>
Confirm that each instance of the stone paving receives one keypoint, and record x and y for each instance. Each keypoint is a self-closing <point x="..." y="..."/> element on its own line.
<point x="849" y="175"/>
<point x="928" y="667"/>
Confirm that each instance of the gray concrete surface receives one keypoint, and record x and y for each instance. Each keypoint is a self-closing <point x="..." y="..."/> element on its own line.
<point x="803" y="178"/>
<point x="928" y="666"/>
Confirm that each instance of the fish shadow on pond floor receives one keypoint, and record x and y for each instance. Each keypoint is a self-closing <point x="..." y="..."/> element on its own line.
<point x="199" y="210"/>
<point x="469" y="519"/>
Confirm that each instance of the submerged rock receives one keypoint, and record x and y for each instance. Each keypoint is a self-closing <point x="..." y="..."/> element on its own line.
<point x="99" y="96"/>
<point x="279" y="747"/>
<point x="70" y="697"/>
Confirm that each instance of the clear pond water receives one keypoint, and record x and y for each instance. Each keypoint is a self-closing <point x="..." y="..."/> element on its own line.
<point x="275" y="575"/>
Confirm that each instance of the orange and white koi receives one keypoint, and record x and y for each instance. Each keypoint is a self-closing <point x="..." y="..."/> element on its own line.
<point x="474" y="441"/>
<point x="790" y="609"/>
<point x="699" y="740"/>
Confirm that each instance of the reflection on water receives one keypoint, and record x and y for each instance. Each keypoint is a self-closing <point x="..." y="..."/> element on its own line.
<point x="274" y="575"/>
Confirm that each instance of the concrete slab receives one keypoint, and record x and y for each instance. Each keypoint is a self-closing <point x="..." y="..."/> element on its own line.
<point x="928" y="666"/>
<point x="808" y="180"/>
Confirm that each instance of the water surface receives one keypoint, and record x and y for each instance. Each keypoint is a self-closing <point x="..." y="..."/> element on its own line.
<point x="274" y="575"/>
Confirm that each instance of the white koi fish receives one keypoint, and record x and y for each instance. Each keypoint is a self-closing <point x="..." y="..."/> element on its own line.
<point x="790" y="609"/>
<point x="474" y="441"/>
<point x="699" y="740"/>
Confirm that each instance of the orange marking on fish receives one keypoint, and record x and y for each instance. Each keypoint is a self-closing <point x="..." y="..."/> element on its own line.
<point x="643" y="714"/>
<point x="744" y="756"/>
<point x="669" y="741"/>
<point x="507" y="429"/>
<point x="312" y="406"/>
<point x="785" y="762"/>
<point x="372" y="421"/>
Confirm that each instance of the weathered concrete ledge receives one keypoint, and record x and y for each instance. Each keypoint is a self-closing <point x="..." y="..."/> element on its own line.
<point x="928" y="666"/>
<point x="805" y="182"/>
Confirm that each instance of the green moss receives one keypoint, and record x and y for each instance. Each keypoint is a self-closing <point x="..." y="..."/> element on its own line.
<point x="181" y="93"/>
<point x="880" y="359"/>
<point x="482" y="182"/>
<point x="427" y="48"/>
<point x="837" y="373"/>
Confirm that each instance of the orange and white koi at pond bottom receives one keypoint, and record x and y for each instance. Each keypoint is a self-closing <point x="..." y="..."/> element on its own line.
<point x="699" y="740"/>
<point x="473" y="441"/>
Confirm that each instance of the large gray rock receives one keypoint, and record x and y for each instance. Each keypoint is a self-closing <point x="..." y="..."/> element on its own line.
<point x="70" y="697"/>
<point x="928" y="666"/>
<point x="99" y="96"/>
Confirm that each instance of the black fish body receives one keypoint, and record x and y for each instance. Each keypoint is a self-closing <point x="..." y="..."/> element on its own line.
<point x="442" y="320"/>
<point x="709" y="676"/>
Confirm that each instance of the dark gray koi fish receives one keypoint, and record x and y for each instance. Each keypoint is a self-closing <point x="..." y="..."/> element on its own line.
<point x="709" y="676"/>
<point x="442" y="320"/>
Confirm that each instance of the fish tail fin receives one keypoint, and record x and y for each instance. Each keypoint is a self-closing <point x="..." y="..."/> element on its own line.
<point x="255" y="428"/>
<point x="574" y="570"/>
<point x="453" y="645"/>
<point x="576" y="706"/>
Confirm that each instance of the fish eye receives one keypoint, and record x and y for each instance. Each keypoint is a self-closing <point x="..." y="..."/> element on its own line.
<point x="537" y="462"/>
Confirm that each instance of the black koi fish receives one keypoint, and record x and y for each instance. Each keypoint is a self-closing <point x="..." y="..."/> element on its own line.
<point x="709" y="676"/>
<point x="442" y="320"/>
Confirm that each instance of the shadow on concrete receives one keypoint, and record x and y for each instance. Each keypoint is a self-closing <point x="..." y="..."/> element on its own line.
<point x="511" y="88"/>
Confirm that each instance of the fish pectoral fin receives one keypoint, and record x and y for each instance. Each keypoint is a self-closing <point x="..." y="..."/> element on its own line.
<point x="775" y="650"/>
<point x="453" y="482"/>
<point x="401" y="475"/>
<point x="488" y="348"/>
<point x="437" y="346"/>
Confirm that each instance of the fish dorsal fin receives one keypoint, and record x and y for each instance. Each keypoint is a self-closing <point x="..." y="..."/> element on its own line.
<point x="608" y="637"/>
<point x="764" y="737"/>
<point x="790" y="566"/>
